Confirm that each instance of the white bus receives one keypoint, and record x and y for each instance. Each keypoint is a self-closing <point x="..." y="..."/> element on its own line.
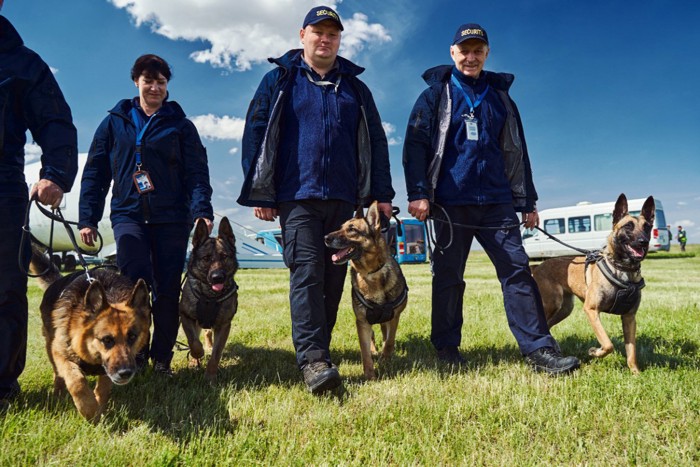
<point x="587" y="226"/>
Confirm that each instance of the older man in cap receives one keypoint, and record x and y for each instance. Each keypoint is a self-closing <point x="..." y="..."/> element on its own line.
<point x="465" y="152"/>
<point x="314" y="149"/>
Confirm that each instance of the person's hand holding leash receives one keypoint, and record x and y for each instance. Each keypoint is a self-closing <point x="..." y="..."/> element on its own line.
<point x="266" y="214"/>
<point x="531" y="219"/>
<point x="47" y="192"/>
<point x="419" y="208"/>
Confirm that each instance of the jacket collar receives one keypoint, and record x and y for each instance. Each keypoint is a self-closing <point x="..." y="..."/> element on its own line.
<point x="9" y="37"/>
<point x="293" y="58"/>
<point x="442" y="73"/>
<point x="170" y="109"/>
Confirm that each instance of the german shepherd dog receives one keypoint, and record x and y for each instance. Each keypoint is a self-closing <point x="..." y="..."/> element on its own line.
<point x="379" y="290"/>
<point x="210" y="294"/>
<point x="608" y="282"/>
<point x="91" y="329"/>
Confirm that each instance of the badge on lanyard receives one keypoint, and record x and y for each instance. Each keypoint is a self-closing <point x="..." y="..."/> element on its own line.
<point x="472" y="128"/>
<point x="143" y="182"/>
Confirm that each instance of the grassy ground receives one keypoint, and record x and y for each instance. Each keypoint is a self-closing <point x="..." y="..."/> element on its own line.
<point x="494" y="411"/>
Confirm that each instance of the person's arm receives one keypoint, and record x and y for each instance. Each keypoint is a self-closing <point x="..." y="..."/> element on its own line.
<point x="380" y="174"/>
<point x="50" y="121"/>
<point x="196" y="170"/>
<point x="417" y="153"/>
<point x="97" y="176"/>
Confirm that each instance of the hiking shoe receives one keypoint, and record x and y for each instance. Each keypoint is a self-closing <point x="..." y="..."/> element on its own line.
<point x="451" y="355"/>
<point x="162" y="369"/>
<point x="141" y="360"/>
<point x="320" y="376"/>
<point x="549" y="360"/>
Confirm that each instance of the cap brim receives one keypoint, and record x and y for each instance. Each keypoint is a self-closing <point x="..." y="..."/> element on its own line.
<point x="321" y="20"/>
<point x="466" y="38"/>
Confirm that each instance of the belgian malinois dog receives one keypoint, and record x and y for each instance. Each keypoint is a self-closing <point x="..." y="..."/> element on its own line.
<point x="379" y="290"/>
<point x="210" y="294"/>
<point x="609" y="282"/>
<point x="92" y="328"/>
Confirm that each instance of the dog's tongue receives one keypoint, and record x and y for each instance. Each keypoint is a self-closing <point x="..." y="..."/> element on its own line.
<point x="217" y="287"/>
<point x="340" y="254"/>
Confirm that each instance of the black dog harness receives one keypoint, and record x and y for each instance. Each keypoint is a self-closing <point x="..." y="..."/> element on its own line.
<point x="628" y="293"/>
<point x="208" y="307"/>
<point x="381" y="313"/>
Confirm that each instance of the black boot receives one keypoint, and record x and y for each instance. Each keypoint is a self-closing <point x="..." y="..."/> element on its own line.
<point x="549" y="360"/>
<point x="320" y="376"/>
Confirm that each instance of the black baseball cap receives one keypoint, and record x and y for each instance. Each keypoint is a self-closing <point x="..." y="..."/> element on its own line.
<point x="470" y="31"/>
<point x="322" y="13"/>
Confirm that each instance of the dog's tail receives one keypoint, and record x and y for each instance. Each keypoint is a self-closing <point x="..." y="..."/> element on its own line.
<point x="42" y="265"/>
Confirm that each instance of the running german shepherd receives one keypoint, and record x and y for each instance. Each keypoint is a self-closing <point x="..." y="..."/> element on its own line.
<point x="210" y="295"/>
<point x="379" y="290"/>
<point x="91" y="328"/>
<point x="610" y="282"/>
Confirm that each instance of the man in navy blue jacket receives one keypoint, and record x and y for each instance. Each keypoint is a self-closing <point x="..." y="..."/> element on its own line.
<point x="29" y="99"/>
<point x="465" y="151"/>
<point x="313" y="149"/>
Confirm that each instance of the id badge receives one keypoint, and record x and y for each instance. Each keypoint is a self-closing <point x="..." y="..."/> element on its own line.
<point x="472" y="129"/>
<point x="143" y="182"/>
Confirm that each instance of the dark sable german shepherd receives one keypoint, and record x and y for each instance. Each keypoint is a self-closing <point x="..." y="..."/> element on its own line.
<point x="91" y="328"/>
<point x="379" y="290"/>
<point x="610" y="282"/>
<point x="210" y="294"/>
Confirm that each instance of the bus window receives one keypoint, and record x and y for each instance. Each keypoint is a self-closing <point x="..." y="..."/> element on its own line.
<point x="554" y="226"/>
<point x="579" y="224"/>
<point x="413" y="235"/>
<point x="602" y="222"/>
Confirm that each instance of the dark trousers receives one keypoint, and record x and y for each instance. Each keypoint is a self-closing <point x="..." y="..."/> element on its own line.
<point x="156" y="254"/>
<point x="13" y="295"/>
<point x="504" y="247"/>
<point x="315" y="283"/>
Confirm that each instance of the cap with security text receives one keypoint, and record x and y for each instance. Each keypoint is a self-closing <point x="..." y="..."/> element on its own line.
<point x="470" y="31"/>
<point x="322" y="13"/>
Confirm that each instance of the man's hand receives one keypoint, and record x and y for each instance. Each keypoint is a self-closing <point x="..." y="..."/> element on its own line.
<point x="47" y="192"/>
<point x="266" y="214"/>
<point x="419" y="208"/>
<point x="88" y="235"/>
<point x="531" y="219"/>
<point x="386" y="209"/>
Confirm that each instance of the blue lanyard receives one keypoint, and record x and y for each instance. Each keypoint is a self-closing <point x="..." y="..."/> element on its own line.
<point x="140" y="130"/>
<point x="479" y="98"/>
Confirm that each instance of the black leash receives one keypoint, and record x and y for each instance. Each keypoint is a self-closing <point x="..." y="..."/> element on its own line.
<point x="56" y="216"/>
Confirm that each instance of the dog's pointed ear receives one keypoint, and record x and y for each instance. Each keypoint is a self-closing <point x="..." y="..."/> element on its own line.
<point x="649" y="210"/>
<point x="201" y="233"/>
<point x="140" y="297"/>
<point x="226" y="232"/>
<point x="95" y="298"/>
<point x="620" y="208"/>
<point x="374" y="218"/>
<point x="359" y="213"/>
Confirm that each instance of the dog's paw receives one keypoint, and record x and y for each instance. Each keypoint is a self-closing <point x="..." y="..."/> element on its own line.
<point x="195" y="363"/>
<point x="597" y="352"/>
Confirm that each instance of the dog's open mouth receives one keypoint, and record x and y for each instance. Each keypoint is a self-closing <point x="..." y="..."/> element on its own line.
<point x="636" y="252"/>
<point x="344" y="255"/>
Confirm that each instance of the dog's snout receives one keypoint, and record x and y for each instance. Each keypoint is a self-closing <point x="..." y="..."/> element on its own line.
<point x="217" y="276"/>
<point x="125" y="373"/>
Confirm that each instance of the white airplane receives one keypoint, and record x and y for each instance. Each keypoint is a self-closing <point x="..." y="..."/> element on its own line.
<point x="250" y="253"/>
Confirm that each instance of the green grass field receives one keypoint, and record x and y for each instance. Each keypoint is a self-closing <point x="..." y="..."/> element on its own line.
<point x="493" y="411"/>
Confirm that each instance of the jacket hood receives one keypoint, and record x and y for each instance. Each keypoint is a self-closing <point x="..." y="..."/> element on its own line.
<point x="9" y="37"/>
<point x="441" y="74"/>
<point x="291" y="58"/>
<point x="169" y="109"/>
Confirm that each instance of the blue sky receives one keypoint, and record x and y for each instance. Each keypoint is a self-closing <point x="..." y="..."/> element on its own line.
<point x="607" y="89"/>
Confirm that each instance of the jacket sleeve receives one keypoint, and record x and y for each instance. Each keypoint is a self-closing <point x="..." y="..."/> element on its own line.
<point x="257" y="119"/>
<point x="417" y="147"/>
<point x="50" y="121"/>
<point x="196" y="173"/>
<point x="531" y="193"/>
<point x="380" y="184"/>
<point x="97" y="176"/>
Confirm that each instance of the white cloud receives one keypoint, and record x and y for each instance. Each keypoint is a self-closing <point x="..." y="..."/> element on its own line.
<point x="32" y="153"/>
<point x="686" y="223"/>
<point x="212" y="127"/>
<point x="243" y="33"/>
<point x="682" y="203"/>
<point x="389" y="129"/>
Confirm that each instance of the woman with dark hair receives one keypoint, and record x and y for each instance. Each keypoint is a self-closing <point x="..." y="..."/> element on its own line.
<point x="154" y="159"/>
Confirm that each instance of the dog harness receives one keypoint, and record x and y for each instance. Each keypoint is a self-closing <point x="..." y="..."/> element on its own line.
<point x="628" y="293"/>
<point x="381" y="313"/>
<point x="208" y="307"/>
